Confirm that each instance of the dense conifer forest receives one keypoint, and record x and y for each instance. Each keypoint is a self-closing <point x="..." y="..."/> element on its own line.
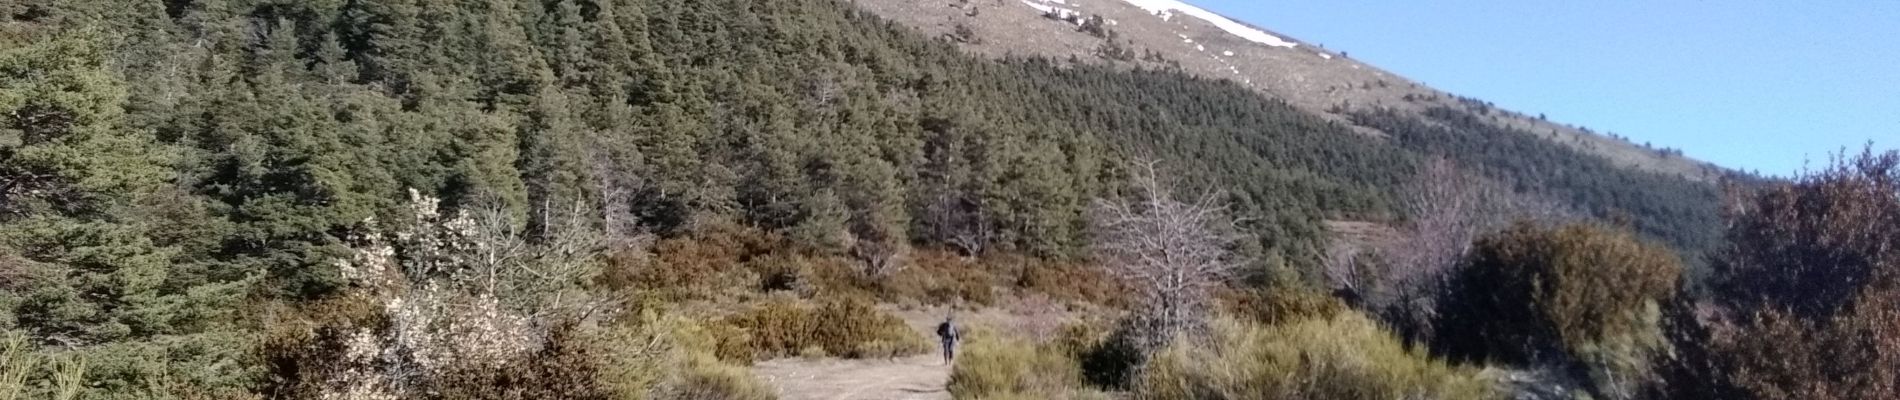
<point x="191" y="191"/>
<point x="291" y="123"/>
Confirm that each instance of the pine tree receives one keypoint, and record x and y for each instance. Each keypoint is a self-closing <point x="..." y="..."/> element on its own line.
<point x="85" y="198"/>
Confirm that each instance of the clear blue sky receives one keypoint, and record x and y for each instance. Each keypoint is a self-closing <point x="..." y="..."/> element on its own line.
<point x="1754" y="85"/>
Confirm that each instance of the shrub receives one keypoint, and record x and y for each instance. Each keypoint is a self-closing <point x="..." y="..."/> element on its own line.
<point x="1108" y="361"/>
<point x="698" y="266"/>
<point x="940" y="277"/>
<point x="996" y="367"/>
<point x="1343" y="357"/>
<point x="1811" y="246"/>
<point x="1811" y="280"/>
<point x="851" y="328"/>
<point x="643" y="355"/>
<point x="690" y="370"/>
<point x="1578" y="296"/>
<point x="430" y="320"/>
<point x="1073" y="282"/>
<point x="568" y="366"/>
<point x="1284" y="304"/>
<point x="711" y="380"/>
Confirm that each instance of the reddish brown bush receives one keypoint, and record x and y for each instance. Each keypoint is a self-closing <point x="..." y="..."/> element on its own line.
<point x="940" y="277"/>
<point x="1282" y="305"/>
<point x="693" y="266"/>
<point x="1810" y="285"/>
<point x="1074" y="282"/>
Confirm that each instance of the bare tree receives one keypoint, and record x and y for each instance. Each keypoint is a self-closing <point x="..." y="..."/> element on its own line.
<point x="879" y="255"/>
<point x="957" y="221"/>
<point x="1346" y="268"/>
<point x="1172" y="253"/>
<point x="1449" y="209"/>
<point x="974" y="237"/>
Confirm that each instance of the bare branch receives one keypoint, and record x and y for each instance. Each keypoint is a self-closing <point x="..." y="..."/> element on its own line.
<point x="1449" y="209"/>
<point x="1172" y="253"/>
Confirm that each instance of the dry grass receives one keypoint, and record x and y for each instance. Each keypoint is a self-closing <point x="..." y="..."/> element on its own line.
<point x="1344" y="357"/>
<point x="850" y="328"/>
<point x="61" y="377"/>
<point x="994" y="366"/>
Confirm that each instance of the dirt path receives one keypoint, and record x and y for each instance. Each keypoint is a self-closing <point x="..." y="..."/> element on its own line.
<point x="911" y="378"/>
<point x="919" y="377"/>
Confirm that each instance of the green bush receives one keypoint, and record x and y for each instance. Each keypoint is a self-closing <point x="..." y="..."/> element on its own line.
<point x="1582" y="296"/>
<point x="996" y="367"/>
<point x="1344" y="357"/>
<point x="851" y="328"/>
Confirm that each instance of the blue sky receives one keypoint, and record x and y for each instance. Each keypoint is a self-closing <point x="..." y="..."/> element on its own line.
<point x="1754" y="85"/>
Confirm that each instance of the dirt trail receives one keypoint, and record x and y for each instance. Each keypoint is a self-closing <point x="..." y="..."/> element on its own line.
<point x="919" y="377"/>
<point x="910" y="378"/>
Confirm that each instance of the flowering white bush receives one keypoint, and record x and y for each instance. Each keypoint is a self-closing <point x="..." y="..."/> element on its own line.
<point x="467" y="291"/>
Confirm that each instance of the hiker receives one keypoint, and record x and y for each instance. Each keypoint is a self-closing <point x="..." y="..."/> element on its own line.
<point x="947" y="332"/>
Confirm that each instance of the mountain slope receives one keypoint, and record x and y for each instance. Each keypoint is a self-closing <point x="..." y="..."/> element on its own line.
<point x="1171" y="34"/>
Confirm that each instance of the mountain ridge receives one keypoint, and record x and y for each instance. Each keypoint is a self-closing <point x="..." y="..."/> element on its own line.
<point x="1326" y="82"/>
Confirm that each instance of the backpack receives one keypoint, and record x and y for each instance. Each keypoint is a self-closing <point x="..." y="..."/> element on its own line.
<point x="946" y="331"/>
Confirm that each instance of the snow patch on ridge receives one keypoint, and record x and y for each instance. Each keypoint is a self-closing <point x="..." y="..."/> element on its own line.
<point x="1058" y="12"/>
<point x="1166" y="9"/>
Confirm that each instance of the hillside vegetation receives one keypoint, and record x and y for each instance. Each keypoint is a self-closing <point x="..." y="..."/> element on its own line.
<point x="1325" y="81"/>
<point x="477" y="199"/>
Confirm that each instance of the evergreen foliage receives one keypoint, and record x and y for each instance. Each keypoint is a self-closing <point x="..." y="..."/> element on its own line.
<point x="1669" y="208"/>
<point x="166" y="165"/>
<point x="85" y="202"/>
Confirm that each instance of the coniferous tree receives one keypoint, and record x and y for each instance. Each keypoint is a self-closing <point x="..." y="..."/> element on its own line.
<point x="85" y="202"/>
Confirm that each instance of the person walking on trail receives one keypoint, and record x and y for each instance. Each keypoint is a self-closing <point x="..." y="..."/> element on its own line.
<point x="948" y="334"/>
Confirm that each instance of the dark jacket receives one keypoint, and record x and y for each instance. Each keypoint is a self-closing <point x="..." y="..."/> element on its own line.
<point x="947" y="331"/>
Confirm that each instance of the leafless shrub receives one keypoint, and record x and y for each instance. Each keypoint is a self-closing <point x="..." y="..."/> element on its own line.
<point x="1172" y="254"/>
<point x="878" y="258"/>
<point x="486" y="252"/>
<point x="1038" y="317"/>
